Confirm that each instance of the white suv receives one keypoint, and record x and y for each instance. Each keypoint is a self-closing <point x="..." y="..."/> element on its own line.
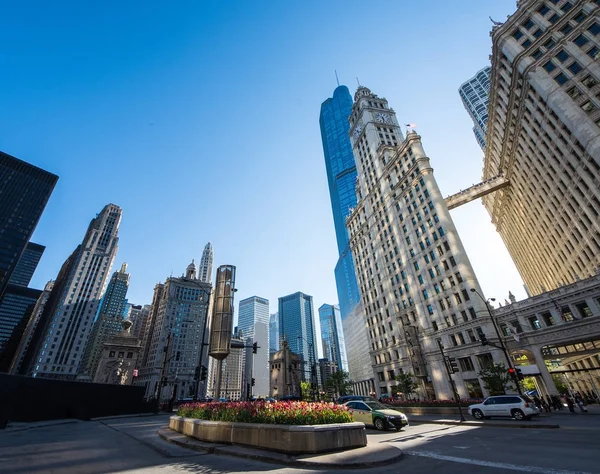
<point x="516" y="406"/>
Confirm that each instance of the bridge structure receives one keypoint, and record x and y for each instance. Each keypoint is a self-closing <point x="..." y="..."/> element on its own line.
<point x="476" y="191"/>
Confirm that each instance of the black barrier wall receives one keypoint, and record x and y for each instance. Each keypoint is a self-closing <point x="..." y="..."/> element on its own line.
<point x="35" y="399"/>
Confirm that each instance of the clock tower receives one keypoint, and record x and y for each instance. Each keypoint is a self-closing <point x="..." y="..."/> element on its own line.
<point x="413" y="273"/>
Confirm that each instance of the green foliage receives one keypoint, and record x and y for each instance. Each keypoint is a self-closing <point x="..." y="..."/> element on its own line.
<point x="305" y="390"/>
<point x="407" y="384"/>
<point x="278" y="413"/>
<point x="496" y="379"/>
<point x="559" y="381"/>
<point x="339" y="383"/>
<point x="528" y="384"/>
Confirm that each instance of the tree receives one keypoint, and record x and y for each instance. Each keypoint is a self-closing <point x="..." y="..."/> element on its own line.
<point x="407" y="384"/>
<point x="339" y="383"/>
<point x="496" y="379"/>
<point x="305" y="390"/>
<point x="559" y="381"/>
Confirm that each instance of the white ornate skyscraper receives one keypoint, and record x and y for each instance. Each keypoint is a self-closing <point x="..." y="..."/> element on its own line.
<point x="413" y="273"/>
<point x="70" y="325"/>
<point x="206" y="263"/>
<point x="475" y="97"/>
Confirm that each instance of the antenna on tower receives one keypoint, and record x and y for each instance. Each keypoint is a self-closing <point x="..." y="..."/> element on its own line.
<point x="358" y="82"/>
<point x="336" y="78"/>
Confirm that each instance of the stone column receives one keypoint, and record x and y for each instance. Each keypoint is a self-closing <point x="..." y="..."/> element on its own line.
<point x="544" y="372"/>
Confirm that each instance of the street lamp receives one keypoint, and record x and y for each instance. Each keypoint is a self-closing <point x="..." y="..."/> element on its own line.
<point x="500" y="339"/>
<point x="202" y="344"/>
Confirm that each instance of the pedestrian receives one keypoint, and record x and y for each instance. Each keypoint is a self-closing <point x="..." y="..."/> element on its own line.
<point x="580" y="404"/>
<point x="570" y="404"/>
<point x="537" y="402"/>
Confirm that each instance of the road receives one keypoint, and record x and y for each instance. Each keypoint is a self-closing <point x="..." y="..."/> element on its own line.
<point x="131" y="445"/>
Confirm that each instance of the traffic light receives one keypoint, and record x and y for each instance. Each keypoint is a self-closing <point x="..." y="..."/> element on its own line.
<point x="203" y="373"/>
<point x="253" y="382"/>
<point x="453" y="365"/>
<point x="520" y="375"/>
<point x="255" y="348"/>
<point x="513" y="374"/>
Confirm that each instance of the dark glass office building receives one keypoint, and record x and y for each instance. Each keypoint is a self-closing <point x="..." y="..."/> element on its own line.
<point x="341" y="177"/>
<point x="24" y="192"/>
<point x="27" y="264"/>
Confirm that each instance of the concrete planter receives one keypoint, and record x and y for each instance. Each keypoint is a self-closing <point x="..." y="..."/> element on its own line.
<point x="291" y="439"/>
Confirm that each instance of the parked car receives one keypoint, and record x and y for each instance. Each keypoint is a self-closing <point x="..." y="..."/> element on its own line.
<point x="346" y="398"/>
<point x="516" y="406"/>
<point x="290" y="398"/>
<point x="375" y="414"/>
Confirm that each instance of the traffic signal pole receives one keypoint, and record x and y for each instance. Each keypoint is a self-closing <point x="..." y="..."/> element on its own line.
<point x="449" y="363"/>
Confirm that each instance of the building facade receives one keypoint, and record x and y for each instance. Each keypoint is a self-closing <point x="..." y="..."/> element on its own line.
<point x="341" y="179"/>
<point x="206" y="264"/>
<point x="297" y="327"/>
<point x="68" y="329"/>
<point x="286" y="372"/>
<point x="544" y="137"/>
<point x="24" y="192"/>
<point x="173" y="341"/>
<point x="413" y="273"/>
<point x="332" y="336"/>
<point x="475" y="97"/>
<point x="233" y="372"/>
<point x="118" y="357"/>
<point x="554" y="337"/>
<point x="27" y="264"/>
<point x="273" y="333"/>
<point x="108" y="322"/>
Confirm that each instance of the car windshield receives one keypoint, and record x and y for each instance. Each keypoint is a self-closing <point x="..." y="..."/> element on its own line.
<point x="375" y="405"/>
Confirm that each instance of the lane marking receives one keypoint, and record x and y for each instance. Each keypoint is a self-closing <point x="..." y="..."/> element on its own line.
<point x="498" y="465"/>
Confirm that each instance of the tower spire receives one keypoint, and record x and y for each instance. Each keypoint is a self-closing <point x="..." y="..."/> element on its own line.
<point x="336" y="78"/>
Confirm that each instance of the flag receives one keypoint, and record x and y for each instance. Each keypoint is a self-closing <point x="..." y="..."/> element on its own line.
<point x="410" y="125"/>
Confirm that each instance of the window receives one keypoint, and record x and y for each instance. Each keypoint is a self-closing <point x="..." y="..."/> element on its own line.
<point x="434" y="325"/>
<point x="430" y="309"/>
<point x="594" y="29"/>
<point x="548" y="319"/>
<point x="562" y="56"/>
<point x="526" y="43"/>
<point x="574" y="93"/>
<point x="567" y="315"/>
<point x="130" y="355"/>
<point x="466" y="364"/>
<point x="565" y="30"/>
<point x="421" y="281"/>
<point x="589" y="81"/>
<point x="543" y="10"/>
<point x="575" y="68"/>
<point x="486" y="361"/>
<point x="581" y="40"/>
<point x="380" y="376"/>
<point x="517" y="35"/>
<point x="549" y="66"/>
<point x="391" y="375"/>
<point x="588" y="106"/>
<point x="111" y="354"/>
<point x="566" y="7"/>
<point x="425" y="294"/>
<point x="472" y="313"/>
<point x="452" y="261"/>
<point x="453" y="340"/>
<point x="460" y="280"/>
<point x="584" y="310"/>
<point x="457" y="298"/>
<point x="561" y="79"/>
<point x="471" y="335"/>
<point x="535" y="323"/>
<point x="465" y="294"/>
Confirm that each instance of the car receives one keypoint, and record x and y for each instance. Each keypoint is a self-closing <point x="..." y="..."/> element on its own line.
<point x="375" y="414"/>
<point x="346" y="398"/>
<point x="519" y="407"/>
<point x="290" y="398"/>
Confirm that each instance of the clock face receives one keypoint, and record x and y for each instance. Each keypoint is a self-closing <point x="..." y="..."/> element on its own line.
<point x="358" y="129"/>
<point x="382" y="117"/>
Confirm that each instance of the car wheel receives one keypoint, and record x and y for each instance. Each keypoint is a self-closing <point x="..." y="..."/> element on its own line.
<point x="379" y="424"/>
<point x="518" y="415"/>
<point x="478" y="414"/>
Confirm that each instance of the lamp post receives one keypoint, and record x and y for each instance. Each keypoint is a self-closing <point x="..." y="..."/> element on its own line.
<point x="313" y="369"/>
<point x="500" y="339"/>
<point x="202" y="344"/>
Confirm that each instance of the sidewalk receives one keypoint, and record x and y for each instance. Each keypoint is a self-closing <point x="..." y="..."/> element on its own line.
<point x="372" y="455"/>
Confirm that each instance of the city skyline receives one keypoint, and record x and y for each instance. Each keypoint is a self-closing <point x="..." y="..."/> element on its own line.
<point x="145" y="137"/>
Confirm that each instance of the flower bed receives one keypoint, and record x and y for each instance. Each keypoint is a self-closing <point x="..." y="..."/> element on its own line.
<point x="275" y="413"/>
<point x="286" y="427"/>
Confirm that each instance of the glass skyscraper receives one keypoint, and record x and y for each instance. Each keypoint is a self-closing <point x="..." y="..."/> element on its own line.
<point x="273" y="333"/>
<point x="475" y="97"/>
<point x="24" y="192"/>
<point x="297" y="327"/>
<point x="341" y="178"/>
<point x="332" y="336"/>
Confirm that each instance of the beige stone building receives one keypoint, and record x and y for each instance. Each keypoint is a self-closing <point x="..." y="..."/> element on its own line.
<point x="286" y="372"/>
<point x="543" y="140"/>
<point x="556" y="336"/>
<point x="413" y="272"/>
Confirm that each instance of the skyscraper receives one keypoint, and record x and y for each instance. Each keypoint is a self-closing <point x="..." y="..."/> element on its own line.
<point x="24" y="192"/>
<point x="475" y="97"/>
<point x="332" y="337"/>
<point x="414" y="275"/>
<point x="297" y="327"/>
<point x="206" y="263"/>
<point x="173" y="342"/>
<point x="108" y="322"/>
<point x="341" y="178"/>
<point x="253" y="322"/>
<point x="27" y="264"/>
<point x="273" y="333"/>
<point x="544" y="137"/>
<point x="68" y="327"/>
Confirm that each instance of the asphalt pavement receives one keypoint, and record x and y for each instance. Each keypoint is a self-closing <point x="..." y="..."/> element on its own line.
<point x="132" y="445"/>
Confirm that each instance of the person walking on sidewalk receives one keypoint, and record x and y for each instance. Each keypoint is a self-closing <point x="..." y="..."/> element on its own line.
<point x="570" y="404"/>
<point x="580" y="404"/>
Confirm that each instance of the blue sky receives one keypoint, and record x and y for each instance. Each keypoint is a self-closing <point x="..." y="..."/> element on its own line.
<point x="200" y="119"/>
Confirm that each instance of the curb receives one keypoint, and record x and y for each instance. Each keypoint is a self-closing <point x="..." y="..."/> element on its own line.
<point x="116" y="417"/>
<point x="267" y="456"/>
<point x="483" y="425"/>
